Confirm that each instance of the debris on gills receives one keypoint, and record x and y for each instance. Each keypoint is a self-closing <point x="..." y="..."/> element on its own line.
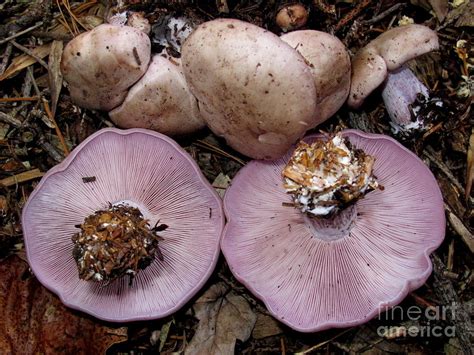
<point x="326" y="176"/>
<point x="115" y="242"/>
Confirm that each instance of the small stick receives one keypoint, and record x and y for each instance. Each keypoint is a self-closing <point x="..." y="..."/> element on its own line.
<point x="10" y="120"/>
<point x="14" y="99"/>
<point x="22" y="177"/>
<point x="18" y="34"/>
<point x="460" y="228"/>
<point x="6" y="57"/>
<point x="56" y="127"/>
<point x="384" y="14"/>
<point x="352" y="14"/>
<point x="204" y="144"/>
<point x="51" y="35"/>
<point x="429" y="152"/>
<point x="30" y="53"/>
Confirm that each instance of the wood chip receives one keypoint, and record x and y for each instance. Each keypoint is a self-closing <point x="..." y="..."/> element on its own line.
<point x="22" y="177"/>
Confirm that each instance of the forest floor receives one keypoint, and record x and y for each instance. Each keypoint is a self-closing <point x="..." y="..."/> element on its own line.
<point x="39" y="125"/>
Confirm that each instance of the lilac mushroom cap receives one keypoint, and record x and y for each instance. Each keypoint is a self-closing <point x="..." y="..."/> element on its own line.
<point x="161" y="101"/>
<point x="100" y="65"/>
<point x="330" y="65"/>
<point x="143" y="169"/>
<point x="387" y="52"/>
<point x="253" y="89"/>
<point x="314" y="274"/>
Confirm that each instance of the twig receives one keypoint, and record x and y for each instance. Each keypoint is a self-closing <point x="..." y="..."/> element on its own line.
<point x="51" y="35"/>
<point x="460" y="228"/>
<point x="56" y="127"/>
<point x="22" y="177"/>
<point x="10" y="120"/>
<point x="212" y="148"/>
<point x="18" y="34"/>
<point x="6" y="58"/>
<point x="384" y="14"/>
<point x="63" y="20"/>
<point x="352" y="14"/>
<point x="15" y="99"/>
<point x="30" y="53"/>
<point x="430" y="154"/>
<point x="49" y="148"/>
<point x="317" y="346"/>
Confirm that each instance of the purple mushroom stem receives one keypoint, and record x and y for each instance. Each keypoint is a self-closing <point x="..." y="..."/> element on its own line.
<point x="399" y="93"/>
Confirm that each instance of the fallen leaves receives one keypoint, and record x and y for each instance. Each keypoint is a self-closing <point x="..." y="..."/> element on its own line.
<point x="224" y="317"/>
<point x="23" y="61"/>
<point x="34" y="321"/>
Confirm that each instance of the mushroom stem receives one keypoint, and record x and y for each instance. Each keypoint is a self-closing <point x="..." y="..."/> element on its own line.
<point x="400" y="92"/>
<point x="335" y="227"/>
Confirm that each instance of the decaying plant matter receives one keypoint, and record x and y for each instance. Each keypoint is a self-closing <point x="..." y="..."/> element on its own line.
<point x="115" y="242"/>
<point x="327" y="176"/>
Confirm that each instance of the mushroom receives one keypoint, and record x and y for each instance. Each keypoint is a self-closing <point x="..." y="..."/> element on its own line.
<point x="314" y="272"/>
<point x="405" y="97"/>
<point x="381" y="58"/>
<point x="139" y="169"/>
<point x="291" y="17"/>
<point x="100" y="65"/>
<point x="253" y="89"/>
<point x="161" y="101"/>
<point x="330" y="65"/>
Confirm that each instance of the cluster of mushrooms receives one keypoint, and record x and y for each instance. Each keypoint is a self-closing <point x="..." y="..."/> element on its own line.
<point x="328" y="233"/>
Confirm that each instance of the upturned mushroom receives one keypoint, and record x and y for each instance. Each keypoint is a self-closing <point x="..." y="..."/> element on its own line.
<point x="330" y="65"/>
<point x="160" y="101"/>
<point x="381" y="61"/>
<point x="124" y="204"/>
<point x="102" y="64"/>
<point x="316" y="237"/>
<point x="253" y="89"/>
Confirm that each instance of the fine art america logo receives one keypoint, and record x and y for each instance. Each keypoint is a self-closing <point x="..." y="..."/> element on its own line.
<point x="418" y="322"/>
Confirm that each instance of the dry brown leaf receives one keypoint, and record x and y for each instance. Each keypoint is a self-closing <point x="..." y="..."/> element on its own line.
<point x="34" y="321"/>
<point x="266" y="326"/>
<point x="223" y="317"/>
<point x="23" y="61"/>
<point x="54" y="72"/>
<point x="466" y="19"/>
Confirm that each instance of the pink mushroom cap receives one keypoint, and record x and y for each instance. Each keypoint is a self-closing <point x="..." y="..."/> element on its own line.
<point x="317" y="274"/>
<point x="387" y="52"/>
<point x="144" y="169"/>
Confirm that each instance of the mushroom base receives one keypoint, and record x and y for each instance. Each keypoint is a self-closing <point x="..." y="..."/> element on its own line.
<point x="115" y="242"/>
<point x="334" y="227"/>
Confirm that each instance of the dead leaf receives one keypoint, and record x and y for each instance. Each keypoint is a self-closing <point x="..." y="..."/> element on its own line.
<point x="221" y="183"/>
<point x="266" y="326"/>
<point x="34" y="321"/>
<point x="470" y="165"/>
<point x="224" y="316"/>
<point x="23" y="61"/>
<point x="439" y="7"/>
<point x="54" y="72"/>
<point x="466" y="18"/>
